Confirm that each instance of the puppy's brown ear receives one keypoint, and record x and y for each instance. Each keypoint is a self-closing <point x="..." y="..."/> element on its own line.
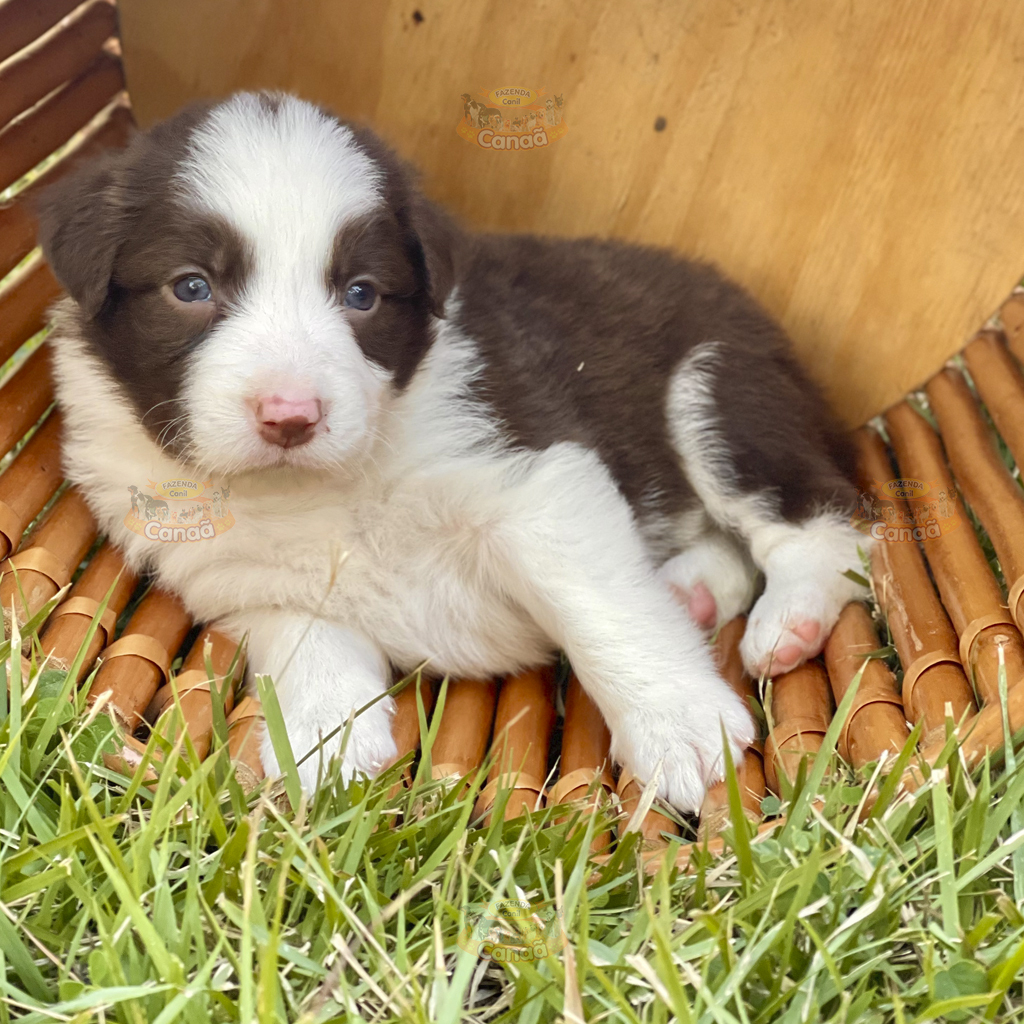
<point x="439" y="242"/>
<point x="82" y="223"/>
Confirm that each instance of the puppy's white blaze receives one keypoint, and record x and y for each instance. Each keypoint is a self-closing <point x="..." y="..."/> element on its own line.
<point x="287" y="179"/>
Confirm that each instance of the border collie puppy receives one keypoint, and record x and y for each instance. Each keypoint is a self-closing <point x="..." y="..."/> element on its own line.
<point x="468" y="450"/>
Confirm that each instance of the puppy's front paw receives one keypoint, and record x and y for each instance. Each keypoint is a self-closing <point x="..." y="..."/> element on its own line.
<point x="369" y="750"/>
<point x="686" y="740"/>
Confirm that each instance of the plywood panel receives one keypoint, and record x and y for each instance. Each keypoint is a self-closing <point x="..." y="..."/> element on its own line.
<point x="854" y="165"/>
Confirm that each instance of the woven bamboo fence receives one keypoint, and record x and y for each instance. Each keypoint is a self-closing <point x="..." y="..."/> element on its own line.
<point x="953" y="613"/>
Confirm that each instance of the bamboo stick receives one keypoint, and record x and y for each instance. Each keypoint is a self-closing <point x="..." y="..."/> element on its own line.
<point x="986" y="483"/>
<point x="970" y="593"/>
<point x="24" y="398"/>
<point x="43" y="566"/>
<point x="49" y="125"/>
<point x="245" y="734"/>
<point x="714" y="812"/>
<point x="1012" y="317"/>
<point x="922" y="633"/>
<point x="69" y="623"/>
<point x="1000" y="382"/>
<point x="29" y="482"/>
<point x="801" y="710"/>
<point x="584" y="758"/>
<point x="24" y="21"/>
<point x="522" y="732"/>
<point x="405" y="725"/>
<point x="193" y="687"/>
<point x="65" y="55"/>
<point x="17" y="220"/>
<point x="876" y="726"/>
<point x="135" y="665"/>
<point x="23" y="305"/>
<point x="461" y="741"/>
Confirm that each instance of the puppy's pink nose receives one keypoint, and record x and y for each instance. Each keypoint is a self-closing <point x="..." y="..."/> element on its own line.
<point x="287" y="422"/>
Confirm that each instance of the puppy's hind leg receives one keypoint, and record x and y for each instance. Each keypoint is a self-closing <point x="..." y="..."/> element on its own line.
<point x="713" y="578"/>
<point x="760" y="451"/>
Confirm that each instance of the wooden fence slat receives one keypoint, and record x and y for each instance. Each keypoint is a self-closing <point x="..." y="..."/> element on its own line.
<point x="30" y="77"/>
<point x="32" y="138"/>
<point x="22" y="22"/>
<point x="922" y="633"/>
<point x="17" y="219"/>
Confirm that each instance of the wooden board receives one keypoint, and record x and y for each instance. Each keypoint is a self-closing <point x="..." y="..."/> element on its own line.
<point x="854" y="165"/>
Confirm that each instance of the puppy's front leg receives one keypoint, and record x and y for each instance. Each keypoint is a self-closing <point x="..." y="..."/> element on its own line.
<point x="576" y="561"/>
<point x="322" y="672"/>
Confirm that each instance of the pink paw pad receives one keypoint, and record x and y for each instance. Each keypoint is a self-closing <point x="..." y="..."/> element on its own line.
<point x="801" y="641"/>
<point x="699" y="603"/>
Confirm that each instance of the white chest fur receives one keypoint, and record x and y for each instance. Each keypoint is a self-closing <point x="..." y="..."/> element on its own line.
<point x="397" y="549"/>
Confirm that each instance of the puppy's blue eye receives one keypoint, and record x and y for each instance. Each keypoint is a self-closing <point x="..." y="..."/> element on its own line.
<point x="193" y="289"/>
<point x="361" y="296"/>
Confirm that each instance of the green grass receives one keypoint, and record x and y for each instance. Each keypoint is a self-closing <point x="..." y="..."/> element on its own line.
<point x="192" y="901"/>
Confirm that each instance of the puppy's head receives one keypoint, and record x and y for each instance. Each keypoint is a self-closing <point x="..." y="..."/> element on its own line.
<point x="259" y="278"/>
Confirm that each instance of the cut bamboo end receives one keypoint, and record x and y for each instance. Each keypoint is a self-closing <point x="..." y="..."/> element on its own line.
<point x="715" y="814"/>
<point x="28" y="483"/>
<point x="656" y="829"/>
<point x="69" y="623"/>
<point x="212" y="652"/>
<point x="137" y="664"/>
<point x="801" y="711"/>
<point x="460" y="745"/>
<point x="970" y="593"/>
<point x="585" y="757"/>
<point x="43" y="566"/>
<point x="876" y="725"/>
<point x="523" y="724"/>
<point x="924" y="637"/>
<point x="245" y="736"/>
